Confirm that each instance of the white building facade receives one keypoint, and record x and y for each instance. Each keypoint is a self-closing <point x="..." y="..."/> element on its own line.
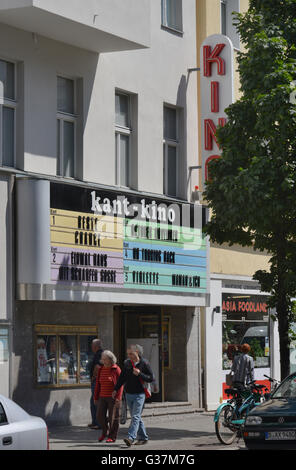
<point x="99" y="133"/>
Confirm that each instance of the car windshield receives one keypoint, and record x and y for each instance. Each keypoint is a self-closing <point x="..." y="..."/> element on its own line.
<point x="287" y="389"/>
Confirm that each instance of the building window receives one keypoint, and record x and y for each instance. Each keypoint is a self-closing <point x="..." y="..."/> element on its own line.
<point x="227" y="8"/>
<point x="123" y="134"/>
<point x="66" y="127"/>
<point x="245" y="319"/>
<point x="8" y="107"/>
<point x="63" y="355"/>
<point x="170" y="151"/>
<point x="172" y="14"/>
<point x="223" y="17"/>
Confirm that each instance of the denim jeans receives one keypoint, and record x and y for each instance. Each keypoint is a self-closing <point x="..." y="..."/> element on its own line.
<point x="93" y="408"/>
<point x="135" y="403"/>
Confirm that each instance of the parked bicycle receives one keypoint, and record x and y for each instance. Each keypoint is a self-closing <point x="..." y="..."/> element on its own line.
<point x="230" y="416"/>
<point x="273" y="383"/>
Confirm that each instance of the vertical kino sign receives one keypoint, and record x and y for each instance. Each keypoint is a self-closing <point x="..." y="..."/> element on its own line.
<point x="216" y="93"/>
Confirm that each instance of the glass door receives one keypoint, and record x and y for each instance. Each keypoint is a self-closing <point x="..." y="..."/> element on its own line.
<point x="143" y="326"/>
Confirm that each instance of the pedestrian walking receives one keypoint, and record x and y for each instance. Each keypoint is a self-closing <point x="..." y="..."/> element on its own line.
<point x="242" y="368"/>
<point x="106" y="380"/>
<point x="135" y="373"/>
<point x="97" y="350"/>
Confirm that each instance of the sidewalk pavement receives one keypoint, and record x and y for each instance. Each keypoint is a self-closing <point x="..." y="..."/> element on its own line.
<point x="179" y="432"/>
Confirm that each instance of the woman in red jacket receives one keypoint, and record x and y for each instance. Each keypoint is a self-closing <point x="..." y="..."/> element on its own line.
<point x="106" y="380"/>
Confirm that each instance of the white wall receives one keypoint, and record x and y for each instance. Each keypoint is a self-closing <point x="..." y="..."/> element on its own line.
<point x="193" y="356"/>
<point x="40" y="60"/>
<point x="163" y="78"/>
<point x="156" y="75"/>
<point x="6" y="243"/>
<point x="275" y="344"/>
<point x="6" y="267"/>
<point x="97" y="25"/>
<point x="213" y="348"/>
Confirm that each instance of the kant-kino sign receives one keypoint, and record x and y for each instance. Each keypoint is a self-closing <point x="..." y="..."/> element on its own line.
<point x="122" y="206"/>
<point x="103" y="239"/>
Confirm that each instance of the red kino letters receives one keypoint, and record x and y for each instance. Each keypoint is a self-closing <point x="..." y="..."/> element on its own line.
<point x="216" y="93"/>
<point x="213" y="56"/>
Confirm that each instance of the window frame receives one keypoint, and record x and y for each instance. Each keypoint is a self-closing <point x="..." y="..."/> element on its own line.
<point x="63" y="117"/>
<point x="11" y="104"/>
<point x="230" y="30"/>
<point x="58" y="331"/>
<point x="223" y="30"/>
<point x="168" y="142"/>
<point x="245" y="318"/>
<point x="251" y="322"/>
<point x="164" y="18"/>
<point x="127" y="132"/>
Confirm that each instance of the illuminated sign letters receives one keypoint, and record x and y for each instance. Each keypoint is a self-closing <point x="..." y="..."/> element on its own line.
<point x="103" y="240"/>
<point x="216" y="93"/>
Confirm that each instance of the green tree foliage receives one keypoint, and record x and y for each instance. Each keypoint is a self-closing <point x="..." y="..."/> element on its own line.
<point x="252" y="187"/>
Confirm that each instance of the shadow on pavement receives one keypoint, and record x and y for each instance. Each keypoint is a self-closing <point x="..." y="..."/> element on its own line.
<point x="81" y="436"/>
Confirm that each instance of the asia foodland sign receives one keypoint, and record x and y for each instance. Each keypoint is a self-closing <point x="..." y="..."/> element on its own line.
<point x="216" y="93"/>
<point x="244" y="306"/>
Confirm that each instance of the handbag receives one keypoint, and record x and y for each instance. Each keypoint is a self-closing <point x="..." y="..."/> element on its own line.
<point x="229" y="379"/>
<point x="146" y="386"/>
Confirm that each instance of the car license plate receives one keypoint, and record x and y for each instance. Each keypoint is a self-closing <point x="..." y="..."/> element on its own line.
<point x="280" y="436"/>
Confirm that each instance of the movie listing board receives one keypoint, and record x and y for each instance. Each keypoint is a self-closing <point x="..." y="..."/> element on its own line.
<point x="105" y="240"/>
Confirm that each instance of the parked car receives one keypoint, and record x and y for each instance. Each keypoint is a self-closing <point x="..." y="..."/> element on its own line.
<point x="273" y="423"/>
<point x="19" y="430"/>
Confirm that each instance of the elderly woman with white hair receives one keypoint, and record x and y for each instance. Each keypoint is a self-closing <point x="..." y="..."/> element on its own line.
<point x="107" y="378"/>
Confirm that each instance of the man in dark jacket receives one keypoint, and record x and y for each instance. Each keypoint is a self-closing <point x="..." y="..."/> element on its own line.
<point x="243" y="368"/>
<point x="135" y="373"/>
<point x="97" y="350"/>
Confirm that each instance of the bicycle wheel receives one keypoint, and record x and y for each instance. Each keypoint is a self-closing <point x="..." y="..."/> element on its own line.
<point x="123" y="411"/>
<point x="225" y="431"/>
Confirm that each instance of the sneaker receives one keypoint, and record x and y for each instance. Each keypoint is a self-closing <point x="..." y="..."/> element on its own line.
<point x="128" y="442"/>
<point x="102" y="438"/>
<point x="141" y="442"/>
<point x="109" y="440"/>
